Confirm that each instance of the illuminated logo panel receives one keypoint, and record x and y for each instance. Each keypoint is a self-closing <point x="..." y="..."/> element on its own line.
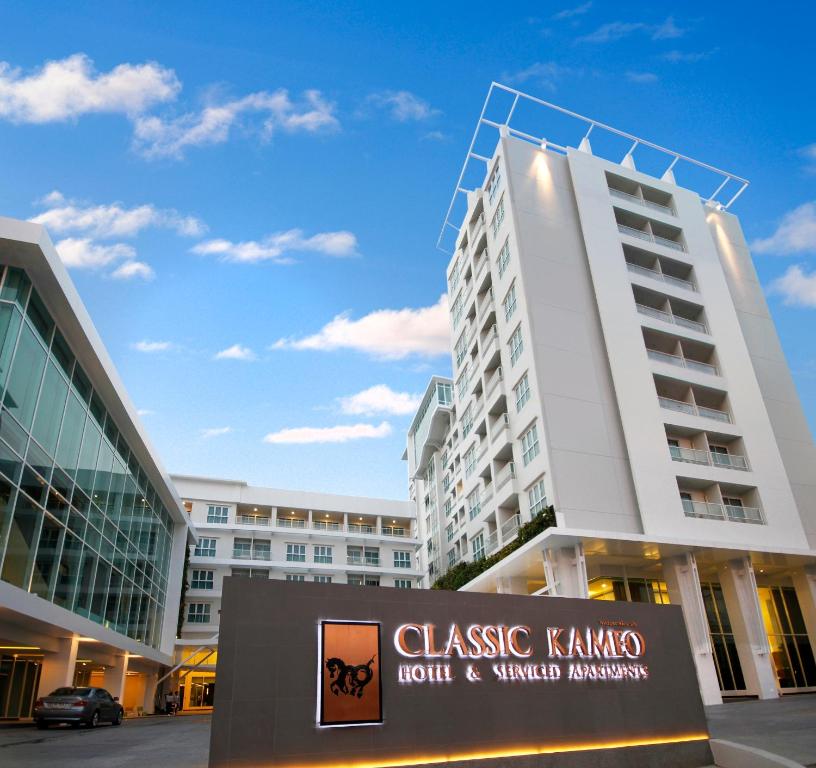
<point x="349" y="684"/>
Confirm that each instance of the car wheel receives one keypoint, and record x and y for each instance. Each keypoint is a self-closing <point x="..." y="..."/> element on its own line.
<point x="42" y="725"/>
<point x="94" y="721"/>
<point x="117" y="719"/>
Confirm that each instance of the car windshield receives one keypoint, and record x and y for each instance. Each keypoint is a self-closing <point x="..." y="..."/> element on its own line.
<point x="71" y="692"/>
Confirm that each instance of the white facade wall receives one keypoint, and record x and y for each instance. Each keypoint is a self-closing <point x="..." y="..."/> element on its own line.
<point x="270" y="535"/>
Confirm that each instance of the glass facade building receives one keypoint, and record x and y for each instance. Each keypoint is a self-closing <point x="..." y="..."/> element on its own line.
<point x="80" y="524"/>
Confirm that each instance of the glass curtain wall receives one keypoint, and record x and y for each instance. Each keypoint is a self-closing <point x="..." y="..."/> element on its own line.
<point x="726" y="658"/>
<point x="80" y="525"/>
<point x="787" y="635"/>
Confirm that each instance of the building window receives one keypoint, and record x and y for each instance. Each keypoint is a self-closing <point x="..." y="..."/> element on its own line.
<point x="198" y="613"/>
<point x="522" y="392"/>
<point x="457" y="308"/>
<point x="242" y="549"/>
<point x="477" y="547"/>
<point x="452" y="558"/>
<point x="726" y="658"/>
<point x="217" y="514"/>
<point x="498" y="217"/>
<point x="453" y="279"/>
<point x="322" y="554"/>
<point x="470" y="461"/>
<point x="371" y="555"/>
<point x="251" y="573"/>
<point x="295" y="577"/>
<point x="323" y="579"/>
<point x="791" y="653"/>
<point x="494" y="183"/>
<point x="529" y="445"/>
<point x="403" y="583"/>
<point x="504" y="257"/>
<point x="296" y="553"/>
<point x="402" y="559"/>
<point x="449" y="531"/>
<point x="448" y="508"/>
<point x="516" y="345"/>
<point x="467" y="421"/>
<point x="461" y="383"/>
<point x="509" y="302"/>
<point x="461" y="348"/>
<point x="201" y="580"/>
<point x="537" y="497"/>
<point x="205" y="548"/>
<point x="474" y="504"/>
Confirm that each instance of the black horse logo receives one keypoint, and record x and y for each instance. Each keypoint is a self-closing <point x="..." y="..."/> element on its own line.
<point x="347" y="679"/>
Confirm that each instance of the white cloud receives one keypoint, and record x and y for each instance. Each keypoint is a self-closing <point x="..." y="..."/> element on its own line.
<point x="155" y="137"/>
<point x="236" y="352"/>
<point x="434" y="136"/>
<point x="114" y="220"/>
<point x="569" y="13"/>
<point x="402" y="106"/>
<point x="614" y="30"/>
<point x="390" y="334"/>
<point x="214" y="432"/>
<point x="641" y="77"/>
<point x="145" y="412"/>
<point x="68" y="88"/>
<point x="339" y="434"/>
<point x="132" y="270"/>
<point x="796" y="287"/>
<point x="380" y="399"/>
<point x="547" y="74"/>
<point x="688" y="56"/>
<point x="83" y="253"/>
<point x="809" y="153"/>
<point x="152" y="346"/>
<point x="274" y="246"/>
<point x="668" y="30"/>
<point x="796" y="233"/>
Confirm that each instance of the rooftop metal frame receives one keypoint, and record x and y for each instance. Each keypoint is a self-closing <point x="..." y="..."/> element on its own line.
<point x="593" y="125"/>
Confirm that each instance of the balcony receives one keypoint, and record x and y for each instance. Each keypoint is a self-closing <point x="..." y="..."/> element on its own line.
<point x="668" y="317"/>
<point x="252" y="520"/>
<point x="649" y="237"/>
<point x="510" y="527"/>
<point x="708" y="458"/>
<point x="502" y="423"/>
<point x="712" y="511"/>
<point x="323" y="525"/>
<point x="661" y="276"/>
<point x="360" y="528"/>
<point x="481" y="266"/>
<point x="694" y="410"/>
<point x="487" y="306"/>
<point x="482" y="452"/>
<point x="492" y="543"/>
<point x="244" y="554"/>
<point x="490" y="346"/>
<point x="373" y="562"/>
<point x="505" y="474"/>
<point x="389" y="530"/>
<point x="682" y="362"/>
<point x="487" y="494"/>
<point x="667" y="209"/>
<point x="283" y="522"/>
<point x="495" y="379"/>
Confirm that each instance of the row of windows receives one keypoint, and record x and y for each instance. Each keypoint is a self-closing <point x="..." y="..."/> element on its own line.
<point x="260" y="549"/>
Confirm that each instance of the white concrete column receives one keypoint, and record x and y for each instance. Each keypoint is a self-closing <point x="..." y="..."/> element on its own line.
<point x="804" y="582"/>
<point x="58" y="668"/>
<point x="115" y="674"/>
<point x="742" y="602"/>
<point x="683" y="584"/>
<point x="309" y="518"/>
<point x="175" y="575"/>
<point x="566" y="572"/>
<point x="149" y="704"/>
<point x="379" y="525"/>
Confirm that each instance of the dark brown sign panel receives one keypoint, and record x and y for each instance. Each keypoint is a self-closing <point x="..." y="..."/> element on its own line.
<point x="335" y="676"/>
<point x="349" y="681"/>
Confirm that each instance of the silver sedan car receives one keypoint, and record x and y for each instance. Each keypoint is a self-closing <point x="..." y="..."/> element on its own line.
<point x="76" y="706"/>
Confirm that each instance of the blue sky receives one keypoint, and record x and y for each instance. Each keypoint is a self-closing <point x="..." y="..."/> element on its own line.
<point x="248" y="196"/>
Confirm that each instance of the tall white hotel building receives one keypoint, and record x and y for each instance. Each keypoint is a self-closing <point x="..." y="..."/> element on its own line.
<point x="614" y="356"/>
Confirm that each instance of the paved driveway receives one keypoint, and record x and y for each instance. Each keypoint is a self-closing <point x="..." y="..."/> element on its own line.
<point x="785" y="726"/>
<point x="180" y="742"/>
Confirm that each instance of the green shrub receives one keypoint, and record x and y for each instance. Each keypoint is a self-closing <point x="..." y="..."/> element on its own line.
<point x="461" y="573"/>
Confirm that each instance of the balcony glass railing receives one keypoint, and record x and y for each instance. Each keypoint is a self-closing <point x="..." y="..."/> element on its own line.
<point x="252" y="520"/>
<point x="657" y="239"/>
<point x="682" y="362"/>
<point x="662" y="276"/>
<point x="285" y="522"/>
<point x="494" y="381"/>
<point x="389" y="530"/>
<point x="713" y="511"/>
<point x="668" y="317"/>
<point x="326" y="525"/>
<point x="693" y="410"/>
<point x="245" y="554"/>
<point x="509" y="527"/>
<point x="492" y="543"/>
<point x="360" y="528"/>
<point x="358" y="560"/>
<point x="642" y="201"/>
<point x="710" y="458"/>
<point x="505" y="474"/>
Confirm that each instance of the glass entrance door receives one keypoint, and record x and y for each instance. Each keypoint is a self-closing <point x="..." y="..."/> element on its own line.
<point x="19" y="679"/>
<point x="726" y="658"/>
<point x="790" y="647"/>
